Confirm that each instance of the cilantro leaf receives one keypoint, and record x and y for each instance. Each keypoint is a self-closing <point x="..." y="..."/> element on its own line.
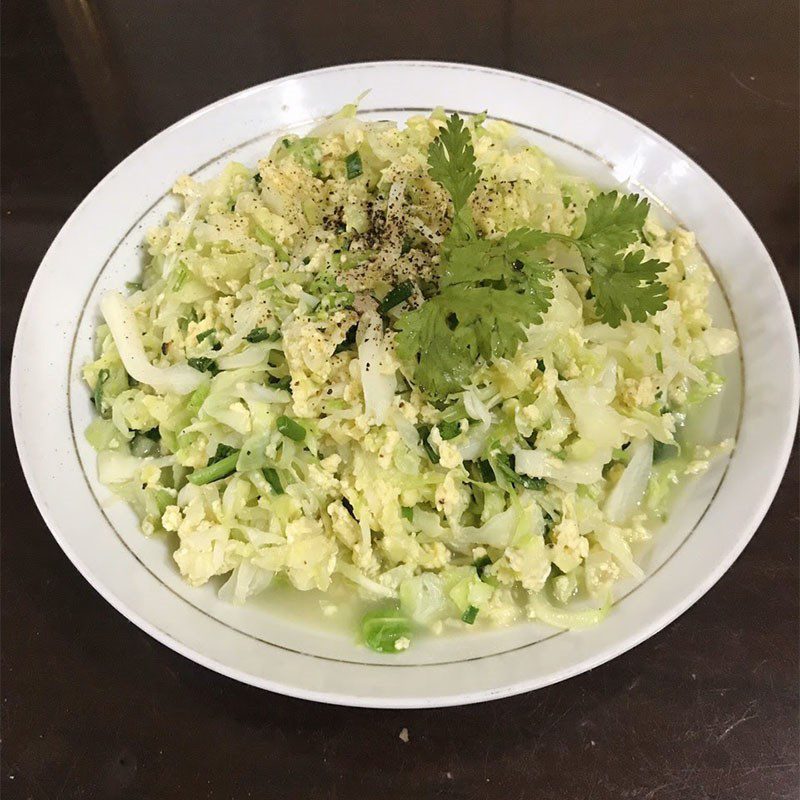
<point x="492" y="290"/>
<point x="492" y="259"/>
<point x="443" y="338"/>
<point x="439" y="360"/>
<point x="492" y="321"/>
<point x="613" y="222"/>
<point x="620" y="283"/>
<point x="629" y="284"/>
<point x="305" y="151"/>
<point x="451" y="163"/>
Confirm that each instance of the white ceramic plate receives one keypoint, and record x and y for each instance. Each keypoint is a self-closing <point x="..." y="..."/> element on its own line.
<point x="98" y="249"/>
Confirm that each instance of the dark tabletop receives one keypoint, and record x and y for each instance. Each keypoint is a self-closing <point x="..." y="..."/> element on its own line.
<point x="94" y="708"/>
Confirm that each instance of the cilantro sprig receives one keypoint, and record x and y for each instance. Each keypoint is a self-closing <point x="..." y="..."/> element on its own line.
<point x="620" y="283"/>
<point x="451" y="163"/>
<point x="492" y="290"/>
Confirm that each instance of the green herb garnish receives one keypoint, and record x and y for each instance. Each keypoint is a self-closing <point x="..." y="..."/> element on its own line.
<point x="215" y="471"/>
<point x="291" y="429"/>
<point x="481" y="563"/>
<point x="223" y="451"/>
<point x="271" y="476"/>
<point x="349" y="341"/>
<point x="153" y="434"/>
<point x="451" y="163"/>
<point x="662" y="451"/>
<point x="205" y="334"/>
<point x="449" y="429"/>
<point x="382" y="630"/>
<point x="424" y="432"/>
<point x="198" y="398"/>
<point x="306" y="152"/>
<point x="181" y="274"/>
<point x="504" y="464"/>
<point x="491" y="290"/>
<point x="204" y="364"/>
<point x="270" y="241"/>
<point x="97" y="396"/>
<point x="487" y="473"/>
<point x="262" y="335"/>
<point x="353" y="165"/>
<point x="399" y="294"/>
<point x="469" y="615"/>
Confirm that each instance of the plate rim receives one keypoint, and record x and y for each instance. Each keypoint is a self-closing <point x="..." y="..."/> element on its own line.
<point x="624" y="644"/>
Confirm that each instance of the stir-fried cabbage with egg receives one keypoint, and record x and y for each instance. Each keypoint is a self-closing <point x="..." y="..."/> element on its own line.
<point x="252" y="404"/>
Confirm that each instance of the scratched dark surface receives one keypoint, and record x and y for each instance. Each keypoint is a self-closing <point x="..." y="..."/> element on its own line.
<point x="93" y="708"/>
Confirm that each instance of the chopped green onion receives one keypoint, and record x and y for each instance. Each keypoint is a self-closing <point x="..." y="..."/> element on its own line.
<point x="480" y="564"/>
<point x="271" y="476"/>
<point x="663" y="451"/>
<point x="181" y="274"/>
<point x="142" y="446"/>
<point x="204" y="364"/>
<point x="349" y="340"/>
<point x="449" y="429"/>
<point x="353" y="165"/>
<point x="540" y="484"/>
<point x="205" y="334"/>
<point x="424" y="432"/>
<point x="164" y="499"/>
<point x="269" y="240"/>
<point x="223" y="451"/>
<point x="469" y="615"/>
<point x="216" y="471"/>
<point x="487" y="473"/>
<point x="291" y="429"/>
<point x="398" y="295"/>
<point x="259" y="335"/>
<point x="383" y="629"/>
<point x="266" y="284"/>
<point x="198" y="398"/>
<point x="660" y="362"/>
<point x="134" y="286"/>
<point x="505" y="465"/>
<point x="406" y="247"/>
<point x="97" y="397"/>
<point x="407" y="513"/>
